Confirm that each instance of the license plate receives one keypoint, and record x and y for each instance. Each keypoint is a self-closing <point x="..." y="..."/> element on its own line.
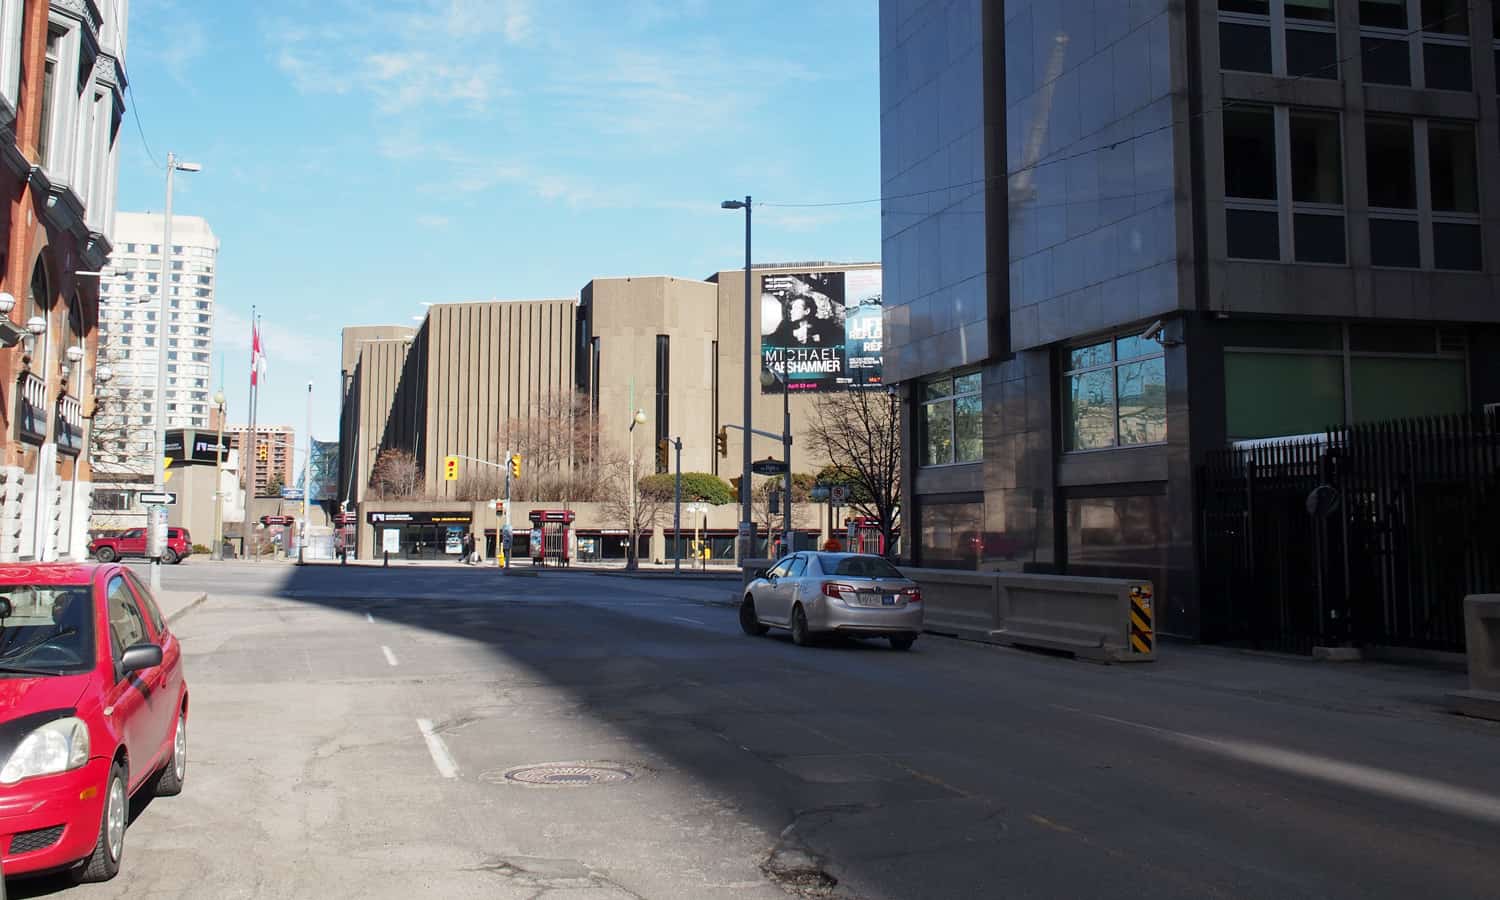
<point x="888" y="600"/>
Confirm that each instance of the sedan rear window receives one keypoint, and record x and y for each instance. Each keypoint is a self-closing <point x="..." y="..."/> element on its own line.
<point x="865" y="567"/>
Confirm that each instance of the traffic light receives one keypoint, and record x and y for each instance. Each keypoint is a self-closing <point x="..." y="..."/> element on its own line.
<point x="166" y="470"/>
<point x="721" y="442"/>
<point x="450" y="468"/>
<point x="515" y="465"/>
<point x="263" y="452"/>
<point x="662" y="447"/>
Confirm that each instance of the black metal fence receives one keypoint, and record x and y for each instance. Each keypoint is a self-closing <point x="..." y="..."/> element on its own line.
<point x="1372" y="534"/>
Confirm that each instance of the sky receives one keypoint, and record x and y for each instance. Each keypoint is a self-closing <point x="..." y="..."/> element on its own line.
<point x="361" y="158"/>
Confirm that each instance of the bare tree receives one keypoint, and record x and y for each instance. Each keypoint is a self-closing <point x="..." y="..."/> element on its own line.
<point x="651" y="501"/>
<point x="112" y="437"/>
<point x="859" y="432"/>
<point x="396" y="475"/>
<point x="560" y="450"/>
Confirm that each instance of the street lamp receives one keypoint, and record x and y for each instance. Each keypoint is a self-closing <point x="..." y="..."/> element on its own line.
<point x="10" y="333"/>
<point x="157" y="518"/>
<point x="746" y="532"/>
<point x="218" y="549"/>
<point x="36" y="326"/>
<point x="631" y="552"/>
<point x="769" y="377"/>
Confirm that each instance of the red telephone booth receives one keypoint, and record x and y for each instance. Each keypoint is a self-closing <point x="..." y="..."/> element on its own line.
<point x="556" y="545"/>
<point x="865" y="536"/>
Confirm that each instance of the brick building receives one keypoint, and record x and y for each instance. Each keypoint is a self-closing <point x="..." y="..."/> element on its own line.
<point x="274" y="456"/>
<point x="62" y="100"/>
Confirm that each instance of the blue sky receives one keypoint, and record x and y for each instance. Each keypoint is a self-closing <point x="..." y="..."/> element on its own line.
<point x="363" y="157"/>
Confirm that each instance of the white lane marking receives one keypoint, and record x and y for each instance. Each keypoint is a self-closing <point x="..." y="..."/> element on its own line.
<point x="369" y="618"/>
<point x="1420" y="791"/>
<point x="687" y="620"/>
<point x="440" y="756"/>
<point x="389" y="656"/>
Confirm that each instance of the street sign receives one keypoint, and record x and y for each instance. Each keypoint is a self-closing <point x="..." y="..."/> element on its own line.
<point x="769" y="467"/>
<point x="153" y="498"/>
<point x="840" y="493"/>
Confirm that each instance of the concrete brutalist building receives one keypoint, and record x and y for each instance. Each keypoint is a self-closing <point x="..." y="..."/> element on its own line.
<point x="1120" y="235"/>
<point x="671" y="347"/>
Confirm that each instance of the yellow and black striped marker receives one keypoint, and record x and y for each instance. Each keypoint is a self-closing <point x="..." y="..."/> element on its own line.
<point x="1142" y="636"/>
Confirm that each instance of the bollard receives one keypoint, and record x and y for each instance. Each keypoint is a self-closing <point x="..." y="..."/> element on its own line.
<point x="387" y="559"/>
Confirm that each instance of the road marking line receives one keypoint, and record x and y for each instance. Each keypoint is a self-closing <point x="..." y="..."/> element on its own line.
<point x="1439" y="795"/>
<point x="687" y="620"/>
<point x="389" y="656"/>
<point x="369" y="618"/>
<point x="440" y="756"/>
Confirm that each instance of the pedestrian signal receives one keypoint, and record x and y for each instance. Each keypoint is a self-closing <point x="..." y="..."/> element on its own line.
<point x="450" y="468"/>
<point x="515" y="465"/>
<point x="661" y="454"/>
<point x="721" y="441"/>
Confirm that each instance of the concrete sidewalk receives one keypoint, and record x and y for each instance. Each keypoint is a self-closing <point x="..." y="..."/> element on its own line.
<point x="176" y="604"/>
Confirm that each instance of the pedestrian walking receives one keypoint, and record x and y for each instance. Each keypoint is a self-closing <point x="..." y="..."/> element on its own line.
<point x="468" y="548"/>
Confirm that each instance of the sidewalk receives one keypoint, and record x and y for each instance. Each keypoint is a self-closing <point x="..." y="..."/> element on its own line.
<point x="176" y="604"/>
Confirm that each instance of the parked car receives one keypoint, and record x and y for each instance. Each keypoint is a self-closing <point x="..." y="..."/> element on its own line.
<point x="814" y="593"/>
<point x="93" y="710"/>
<point x="109" y="548"/>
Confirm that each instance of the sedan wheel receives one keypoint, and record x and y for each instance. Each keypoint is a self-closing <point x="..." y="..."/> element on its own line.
<point x="749" y="622"/>
<point x="169" y="783"/>
<point x="105" y="554"/>
<point x="800" y="635"/>
<point x="902" y="643"/>
<point x="104" y="863"/>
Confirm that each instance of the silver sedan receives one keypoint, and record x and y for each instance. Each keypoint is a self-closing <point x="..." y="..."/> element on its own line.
<point x="834" y="593"/>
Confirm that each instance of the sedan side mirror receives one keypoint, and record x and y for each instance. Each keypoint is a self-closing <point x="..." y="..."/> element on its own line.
<point x="140" y="656"/>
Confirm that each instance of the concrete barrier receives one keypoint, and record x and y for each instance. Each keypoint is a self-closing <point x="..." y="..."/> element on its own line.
<point x="1482" y="634"/>
<point x="1102" y="619"/>
<point x="956" y="602"/>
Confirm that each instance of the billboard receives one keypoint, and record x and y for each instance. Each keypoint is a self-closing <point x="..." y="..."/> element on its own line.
<point x="822" y="330"/>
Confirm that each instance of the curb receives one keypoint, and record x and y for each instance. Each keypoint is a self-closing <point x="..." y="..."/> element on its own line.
<point x="666" y="576"/>
<point x="187" y="609"/>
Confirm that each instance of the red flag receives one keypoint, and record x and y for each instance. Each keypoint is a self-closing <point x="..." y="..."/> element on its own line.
<point x="257" y="355"/>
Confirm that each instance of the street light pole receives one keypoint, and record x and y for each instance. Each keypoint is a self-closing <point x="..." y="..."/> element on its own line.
<point x="631" y="562"/>
<point x="747" y="533"/>
<point x="217" y="551"/>
<point x="677" y="511"/>
<point x="157" y="524"/>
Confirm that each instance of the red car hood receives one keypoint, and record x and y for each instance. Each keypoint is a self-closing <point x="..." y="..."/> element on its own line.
<point x="21" y="696"/>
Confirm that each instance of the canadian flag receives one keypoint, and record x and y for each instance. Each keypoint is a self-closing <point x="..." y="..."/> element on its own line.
<point x="257" y="355"/>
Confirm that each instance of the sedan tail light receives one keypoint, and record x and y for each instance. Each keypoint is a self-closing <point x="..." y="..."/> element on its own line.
<point x="836" y="589"/>
<point x="913" y="595"/>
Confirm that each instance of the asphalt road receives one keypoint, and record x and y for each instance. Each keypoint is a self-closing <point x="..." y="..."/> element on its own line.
<point x="351" y="731"/>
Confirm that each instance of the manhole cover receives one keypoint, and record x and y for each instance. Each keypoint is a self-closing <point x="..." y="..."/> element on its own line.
<point x="573" y="774"/>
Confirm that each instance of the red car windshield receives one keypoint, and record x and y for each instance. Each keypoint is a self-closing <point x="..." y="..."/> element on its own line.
<point x="49" y="629"/>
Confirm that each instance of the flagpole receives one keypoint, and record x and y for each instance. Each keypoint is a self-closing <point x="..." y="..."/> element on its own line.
<point x="247" y="452"/>
<point x="306" y="479"/>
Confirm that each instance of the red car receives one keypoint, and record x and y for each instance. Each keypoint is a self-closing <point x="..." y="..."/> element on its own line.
<point x="133" y="543"/>
<point x="93" y="709"/>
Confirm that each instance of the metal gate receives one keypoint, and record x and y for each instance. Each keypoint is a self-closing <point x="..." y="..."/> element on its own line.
<point x="1372" y="534"/>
